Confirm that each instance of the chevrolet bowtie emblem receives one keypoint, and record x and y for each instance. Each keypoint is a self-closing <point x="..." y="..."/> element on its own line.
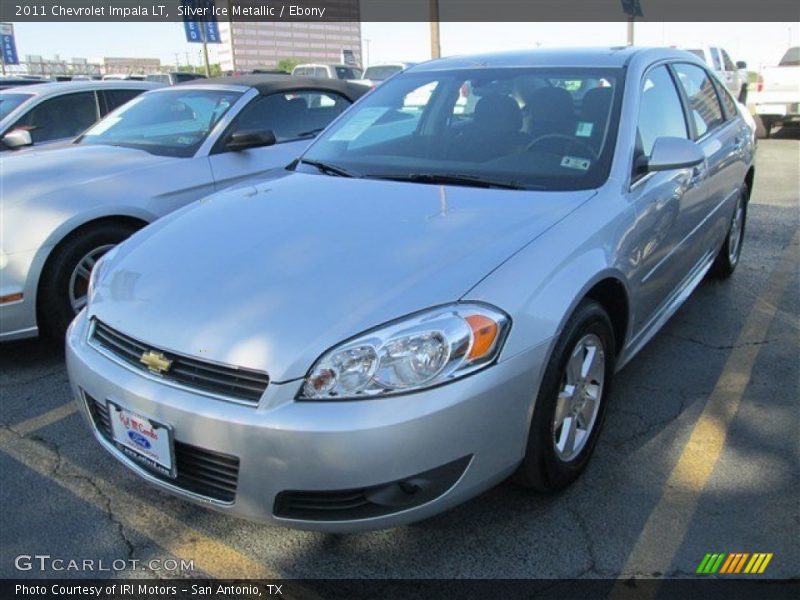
<point x="155" y="361"/>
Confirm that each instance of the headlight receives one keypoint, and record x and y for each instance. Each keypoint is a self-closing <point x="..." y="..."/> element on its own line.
<point x="420" y="351"/>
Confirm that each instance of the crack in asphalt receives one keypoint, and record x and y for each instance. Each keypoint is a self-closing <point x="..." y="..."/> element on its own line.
<point x="106" y="508"/>
<point x="699" y="342"/>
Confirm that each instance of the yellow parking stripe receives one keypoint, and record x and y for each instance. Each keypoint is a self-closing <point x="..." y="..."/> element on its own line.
<point x="764" y="564"/>
<point x="666" y="527"/>
<point x="43" y="420"/>
<point x="210" y="556"/>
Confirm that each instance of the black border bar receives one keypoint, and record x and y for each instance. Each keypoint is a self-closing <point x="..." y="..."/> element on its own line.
<point x="404" y="10"/>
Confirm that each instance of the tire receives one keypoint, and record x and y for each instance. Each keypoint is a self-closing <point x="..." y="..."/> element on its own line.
<point x="55" y="304"/>
<point x="547" y="467"/>
<point x="731" y="250"/>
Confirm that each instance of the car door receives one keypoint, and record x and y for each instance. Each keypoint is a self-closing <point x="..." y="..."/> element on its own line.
<point x="60" y="118"/>
<point x="295" y="118"/>
<point x="663" y="201"/>
<point x="722" y="139"/>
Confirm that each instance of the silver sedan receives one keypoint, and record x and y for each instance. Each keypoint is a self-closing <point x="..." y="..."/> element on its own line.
<point x="63" y="208"/>
<point x="434" y="297"/>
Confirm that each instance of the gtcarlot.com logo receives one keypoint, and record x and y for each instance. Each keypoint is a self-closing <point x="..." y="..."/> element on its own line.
<point x="45" y="562"/>
<point x="736" y="563"/>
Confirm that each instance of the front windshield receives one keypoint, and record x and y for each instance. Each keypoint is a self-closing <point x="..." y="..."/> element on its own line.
<point x="10" y="101"/>
<point x="168" y="123"/>
<point x="532" y="128"/>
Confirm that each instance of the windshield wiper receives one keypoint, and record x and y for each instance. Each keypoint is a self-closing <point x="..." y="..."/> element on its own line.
<point x="326" y="168"/>
<point x="453" y="179"/>
<point x="310" y="133"/>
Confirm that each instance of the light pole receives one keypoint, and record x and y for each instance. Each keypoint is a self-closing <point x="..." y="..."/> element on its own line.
<point x="366" y="52"/>
<point x="436" y="47"/>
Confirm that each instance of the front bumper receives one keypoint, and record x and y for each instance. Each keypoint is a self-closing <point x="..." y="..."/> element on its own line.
<point x="479" y="423"/>
<point x="18" y="318"/>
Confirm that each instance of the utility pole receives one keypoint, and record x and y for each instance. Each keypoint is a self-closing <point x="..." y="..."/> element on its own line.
<point x="366" y="52"/>
<point x="630" y="30"/>
<point x="436" y="47"/>
<point x="177" y="61"/>
<point x="205" y="58"/>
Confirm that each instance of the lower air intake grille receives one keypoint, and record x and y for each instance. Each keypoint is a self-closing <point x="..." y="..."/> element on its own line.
<point x="243" y="385"/>
<point x="373" y="501"/>
<point x="200" y="471"/>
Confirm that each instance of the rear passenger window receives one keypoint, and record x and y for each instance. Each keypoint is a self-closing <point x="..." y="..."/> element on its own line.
<point x="116" y="98"/>
<point x="727" y="100"/>
<point x="292" y="116"/>
<point x="660" y="111"/>
<point x="61" y="117"/>
<point x="703" y="102"/>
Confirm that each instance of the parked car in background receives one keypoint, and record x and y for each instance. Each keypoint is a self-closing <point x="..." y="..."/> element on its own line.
<point x="777" y="95"/>
<point x="173" y="78"/>
<point x="733" y="75"/>
<point x="17" y="81"/>
<point x="65" y="207"/>
<point x="428" y="300"/>
<point x="54" y="112"/>
<point x="375" y="74"/>
<point x="124" y="76"/>
<point x="328" y="71"/>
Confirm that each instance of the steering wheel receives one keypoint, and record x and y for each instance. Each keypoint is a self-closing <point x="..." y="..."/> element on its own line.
<point x="567" y="138"/>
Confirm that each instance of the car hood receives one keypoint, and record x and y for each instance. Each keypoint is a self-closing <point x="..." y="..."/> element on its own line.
<point x="36" y="173"/>
<point x="269" y="276"/>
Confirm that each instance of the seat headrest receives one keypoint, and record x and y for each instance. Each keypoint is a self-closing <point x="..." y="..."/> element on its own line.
<point x="552" y="104"/>
<point x="498" y="112"/>
<point x="595" y="104"/>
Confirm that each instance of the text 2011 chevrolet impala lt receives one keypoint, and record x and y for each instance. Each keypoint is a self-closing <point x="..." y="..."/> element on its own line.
<point x="435" y="296"/>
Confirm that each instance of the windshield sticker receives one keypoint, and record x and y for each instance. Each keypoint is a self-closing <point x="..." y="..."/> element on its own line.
<point x="584" y="129"/>
<point x="184" y="140"/>
<point x="359" y="123"/>
<point x="575" y="162"/>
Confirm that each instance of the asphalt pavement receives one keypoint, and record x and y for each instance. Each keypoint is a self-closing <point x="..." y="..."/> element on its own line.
<point x="700" y="453"/>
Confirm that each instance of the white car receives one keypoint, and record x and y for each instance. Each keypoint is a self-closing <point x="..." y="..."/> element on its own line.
<point x="733" y="75"/>
<point x="52" y="112"/>
<point x="327" y="71"/>
<point x="63" y="208"/>
<point x="375" y="74"/>
<point x="777" y="95"/>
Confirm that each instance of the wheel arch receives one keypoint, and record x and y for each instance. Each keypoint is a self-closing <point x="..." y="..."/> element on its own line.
<point x="66" y="233"/>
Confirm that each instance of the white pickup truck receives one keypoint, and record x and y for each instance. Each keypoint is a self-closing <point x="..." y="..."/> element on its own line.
<point x="776" y="98"/>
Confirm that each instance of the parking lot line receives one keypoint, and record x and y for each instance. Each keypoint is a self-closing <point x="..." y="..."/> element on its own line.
<point x="666" y="527"/>
<point x="43" y="420"/>
<point x="213" y="557"/>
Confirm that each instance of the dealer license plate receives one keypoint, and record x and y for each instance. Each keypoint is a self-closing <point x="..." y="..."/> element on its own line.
<point x="144" y="440"/>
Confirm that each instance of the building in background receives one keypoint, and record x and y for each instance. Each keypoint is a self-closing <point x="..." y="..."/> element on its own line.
<point x="125" y="65"/>
<point x="249" y="45"/>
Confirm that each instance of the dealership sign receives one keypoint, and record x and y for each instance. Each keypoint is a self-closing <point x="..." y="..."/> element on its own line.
<point x="8" y="47"/>
<point x="204" y="30"/>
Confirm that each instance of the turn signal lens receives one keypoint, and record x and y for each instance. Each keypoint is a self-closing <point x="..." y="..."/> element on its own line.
<point x="484" y="333"/>
<point x="426" y="349"/>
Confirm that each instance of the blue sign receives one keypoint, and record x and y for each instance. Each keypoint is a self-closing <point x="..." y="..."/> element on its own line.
<point x="205" y="30"/>
<point x="211" y="27"/>
<point x="632" y="8"/>
<point x="9" y="49"/>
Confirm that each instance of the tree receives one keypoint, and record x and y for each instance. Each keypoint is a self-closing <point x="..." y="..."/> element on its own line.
<point x="287" y="64"/>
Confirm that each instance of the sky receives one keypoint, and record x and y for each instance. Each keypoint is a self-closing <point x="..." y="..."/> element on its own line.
<point x="758" y="44"/>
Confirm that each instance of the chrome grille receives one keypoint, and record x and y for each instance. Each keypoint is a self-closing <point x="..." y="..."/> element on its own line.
<point x="200" y="471"/>
<point x="242" y="385"/>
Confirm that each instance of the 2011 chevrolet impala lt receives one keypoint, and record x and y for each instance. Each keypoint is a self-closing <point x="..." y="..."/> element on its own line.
<point x="435" y="296"/>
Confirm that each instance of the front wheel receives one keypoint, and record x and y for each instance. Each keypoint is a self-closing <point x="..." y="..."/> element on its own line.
<point x="731" y="251"/>
<point x="571" y="403"/>
<point x="64" y="283"/>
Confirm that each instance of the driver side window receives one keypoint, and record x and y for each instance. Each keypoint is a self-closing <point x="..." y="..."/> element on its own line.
<point x="660" y="115"/>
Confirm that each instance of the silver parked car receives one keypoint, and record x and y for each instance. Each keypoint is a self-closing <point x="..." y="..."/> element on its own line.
<point x="46" y="113"/>
<point x="64" y="207"/>
<point x="432" y="298"/>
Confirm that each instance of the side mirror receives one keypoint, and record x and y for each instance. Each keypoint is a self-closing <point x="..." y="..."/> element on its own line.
<point x="18" y="138"/>
<point x="674" y="153"/>
<point x="740" y="64"/>
<point x="242" y="140"/>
